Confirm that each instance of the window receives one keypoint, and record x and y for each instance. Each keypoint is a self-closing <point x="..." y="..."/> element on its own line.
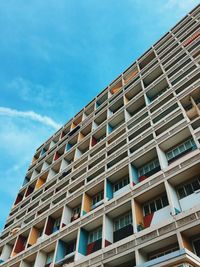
<point x="196" y="244"/>
<point x="188" y="188"/>
<point x="76" y="210"/>
<point x="149" y="167"/>
<point x="95" y="235"/>
<point x="75" y="213"/>
<point x="154" y="205"/>
<point x="118" y="185"/>
<point x="122" y="221"/>
<point x="49" y="258"/>
<point x="97" y="198"/>
<point x="157" y="255"/>
<point x="180" y="149"/>
<point x="56" y="224"/>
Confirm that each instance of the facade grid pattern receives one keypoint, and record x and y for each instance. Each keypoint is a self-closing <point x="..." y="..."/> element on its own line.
<point x="118" y="185"/>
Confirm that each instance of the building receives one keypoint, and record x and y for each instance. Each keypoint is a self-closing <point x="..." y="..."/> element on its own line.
<point x="119" y="184"/>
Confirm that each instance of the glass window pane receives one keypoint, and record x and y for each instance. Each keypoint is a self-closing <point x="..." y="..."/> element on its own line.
<point x="169" y="155"/>
<point x="115" y="187"/>
<point x="188" y="189"/>
<point x="151" y="166"/>
<point x="146" y="168"/>
<point x="197" y="247"/>
<point x="95" y="236"/>
<point x="188" y="144"/>
<point x="176" y="152"/>
<point x="146" y="210"/>
<point x="125" y="181"/>
<point x="152" y="207"/>
<point x="181" y="148"/>
<point x="158" y="204"/>
<point x="181" y="192"/>
<point x="165" y="201"/>
<point x="195" y="185"/>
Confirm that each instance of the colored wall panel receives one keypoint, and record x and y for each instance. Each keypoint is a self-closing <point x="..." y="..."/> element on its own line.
<point x="61" y="250"/>
<point x="82" y="246"/>
<point x="49" y="226"/>
<point x="87" y="203"/>
<point x="109" y="189"/>
<point x="34" y="234"/>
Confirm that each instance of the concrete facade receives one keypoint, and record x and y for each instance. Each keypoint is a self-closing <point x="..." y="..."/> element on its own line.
<point x="119" y="184"/>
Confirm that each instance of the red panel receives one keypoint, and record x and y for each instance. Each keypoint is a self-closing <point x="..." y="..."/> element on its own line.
<point x="107" y="243"/>
<point x="29" y="191"/>
<point x="57" y="156"/>
<point x="191" y="39"/>
<point x="90" y="248"/>
<point x="49" y="227"/>
<point x="142" y="178"/>
<point x="94" y="141"/>
<point x="18" y="199"/>
<point x="147" y="220"/>
<point x="62" y="134"/>
<point x="20" y="245"/>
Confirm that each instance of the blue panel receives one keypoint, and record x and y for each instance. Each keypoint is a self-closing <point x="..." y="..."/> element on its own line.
<point x="61" y="250"/>
<point x="68" y="146"/>
<point x="26" y="180"/>
<point x="43" y="151"/>
<point x="134" y="172"/>
<point x="82" y="247"/>
<point x="109" y="129"/>
<point x="109" y="189"/>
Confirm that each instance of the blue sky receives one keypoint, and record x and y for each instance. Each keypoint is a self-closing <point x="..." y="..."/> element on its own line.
<point x="56" y="56"/>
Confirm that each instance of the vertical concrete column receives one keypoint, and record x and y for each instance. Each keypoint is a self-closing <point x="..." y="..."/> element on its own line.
<point x="66" y="216"/>
<point x="107" y="231"/>
<point x="173" y="198"/>
<point x="162" y="158"/>
<point x="40" y="259"/>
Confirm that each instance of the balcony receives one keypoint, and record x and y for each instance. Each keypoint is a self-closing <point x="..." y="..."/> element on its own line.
<point x="93" y="198"/>
<point x="152" y="208"/>
<point x="90" y="238"/>
<point x="145" y="166"/>
<point x="122" y="227"/>
<point x="180" y="150"/>
<point x="65" y="251"/>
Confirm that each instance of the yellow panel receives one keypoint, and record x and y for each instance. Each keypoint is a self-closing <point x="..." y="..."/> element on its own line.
<point x="33" y="236"/>
<point x="130" y="76"/>
<point x="125" y="100"/>
<point x="73" y="125"/>
<point x="116" y="87"/>
<point x="139" y="214"/>
<point x="87" y="203"/>
<point x="81" y="136"/>
<point x="186" y="243"/>
<point x="39" y="183"/>
<point x="115" y="90"/>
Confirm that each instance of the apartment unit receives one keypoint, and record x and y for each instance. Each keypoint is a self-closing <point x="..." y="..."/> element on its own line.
<point x="119" y="184"/>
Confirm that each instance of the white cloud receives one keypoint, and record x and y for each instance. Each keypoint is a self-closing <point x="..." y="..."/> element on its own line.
<point x="180" y="4"/>
<point x="29" y="115"/>
<point x="32" y="92"/>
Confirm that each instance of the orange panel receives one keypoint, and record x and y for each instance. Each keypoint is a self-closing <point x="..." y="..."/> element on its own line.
<point x="39" y="183"/>
<point x="130" y="76"/>
<point x="139" y="214"/>
<point x="81" y="136"/>
<point x="87" y="203"/>
<point x="34" y="234"/>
